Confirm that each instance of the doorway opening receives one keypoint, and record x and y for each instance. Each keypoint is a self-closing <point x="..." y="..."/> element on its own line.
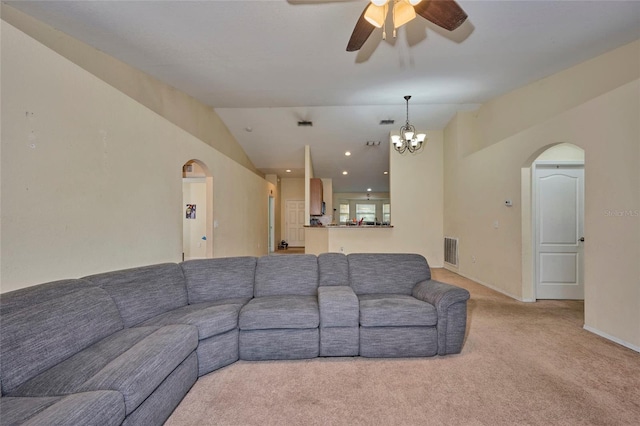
<point x="553" y="224"/>
<point x="197" y="211"/>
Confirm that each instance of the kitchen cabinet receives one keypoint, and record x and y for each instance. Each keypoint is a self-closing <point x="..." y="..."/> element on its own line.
<point x="315" y="197"/>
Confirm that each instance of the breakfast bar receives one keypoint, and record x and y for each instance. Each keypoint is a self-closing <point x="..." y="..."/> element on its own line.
<point x="345" y="238"/>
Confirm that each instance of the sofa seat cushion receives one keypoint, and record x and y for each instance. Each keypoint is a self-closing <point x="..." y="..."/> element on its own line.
<point x="395" y="310"/>
<point x="270" y="312"/>
<point x="99" y="408"/>
<point x="211" y="318"/>
<point x="132" y="361"/>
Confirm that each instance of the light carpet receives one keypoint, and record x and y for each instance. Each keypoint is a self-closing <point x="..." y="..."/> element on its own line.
<point x="521" y="364"/>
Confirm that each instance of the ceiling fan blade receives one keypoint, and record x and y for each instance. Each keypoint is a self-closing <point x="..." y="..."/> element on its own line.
<point x="361" y="33"/>
<point x="444" y="13"/>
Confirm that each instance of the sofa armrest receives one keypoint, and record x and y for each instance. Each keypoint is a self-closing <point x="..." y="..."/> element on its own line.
<point x="451" y="304"/>
<point x="339" y="306"/>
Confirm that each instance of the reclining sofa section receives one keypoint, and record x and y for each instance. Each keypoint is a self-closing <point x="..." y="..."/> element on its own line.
<point x="124" y="347"/>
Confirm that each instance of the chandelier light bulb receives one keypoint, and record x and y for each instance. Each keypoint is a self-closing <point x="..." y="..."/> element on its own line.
<point x="380" y="2"/>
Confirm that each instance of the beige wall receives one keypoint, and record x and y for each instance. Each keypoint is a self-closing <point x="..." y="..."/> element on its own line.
<point x="92" y="180"/>
<point x="486" y="157"/>
<point x="178" y="108"/>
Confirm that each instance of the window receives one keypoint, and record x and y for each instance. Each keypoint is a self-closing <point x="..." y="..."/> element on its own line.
<point x="386" y="213"/>
<point x="344" y="213"/>
<point x="366" y="212"/>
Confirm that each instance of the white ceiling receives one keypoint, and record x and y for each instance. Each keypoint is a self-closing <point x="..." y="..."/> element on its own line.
<point x="267" y="64"/>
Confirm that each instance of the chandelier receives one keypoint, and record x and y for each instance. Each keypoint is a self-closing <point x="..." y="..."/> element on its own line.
<point x="402" y="12"/>
<point x="408" y="139"/>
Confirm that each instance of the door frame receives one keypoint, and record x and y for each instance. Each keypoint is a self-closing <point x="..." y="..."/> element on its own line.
<point x="271" y="225"/>
<point x="535" y="214"/>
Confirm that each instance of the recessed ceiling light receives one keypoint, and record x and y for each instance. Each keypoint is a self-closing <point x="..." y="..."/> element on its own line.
<point x="348" y="153"/>
<point x="345" y="172"/>
<point x="248" y="129"/>
<point x="368" y="189"/>
<point x="288" y="170"/>
<point x="386" y="173"/>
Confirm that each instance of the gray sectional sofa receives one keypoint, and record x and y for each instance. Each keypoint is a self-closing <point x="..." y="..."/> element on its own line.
<point x="124" y="347"/>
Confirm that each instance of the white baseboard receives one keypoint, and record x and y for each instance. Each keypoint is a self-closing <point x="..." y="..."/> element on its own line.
<point x="612" y="338"/>
<point x="499" y="290"/>
<point x="586" y="327"/>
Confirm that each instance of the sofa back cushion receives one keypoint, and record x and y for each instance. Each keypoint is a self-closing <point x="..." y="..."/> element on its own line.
<point x="333" y="269"/>
<point x="378" y="273"/>
<point x="144" y="292"/>
<point x="39" y="328"/>
<point x="209" y="280"/>
<point x="292" y="274"/>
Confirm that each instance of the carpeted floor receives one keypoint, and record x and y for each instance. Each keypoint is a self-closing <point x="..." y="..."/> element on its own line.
<point x="522" y="364"/>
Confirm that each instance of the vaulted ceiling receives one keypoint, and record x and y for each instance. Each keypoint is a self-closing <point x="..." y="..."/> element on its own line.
<point x="265" y="65"/>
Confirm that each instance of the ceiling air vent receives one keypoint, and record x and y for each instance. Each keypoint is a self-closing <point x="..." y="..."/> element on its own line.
<point x="305" y="123"/>
<point x="386" y="122"/>
<point x="373" y="143"/>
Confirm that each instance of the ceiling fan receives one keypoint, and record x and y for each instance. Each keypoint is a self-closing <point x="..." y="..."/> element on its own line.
<point x="444" y="13"/>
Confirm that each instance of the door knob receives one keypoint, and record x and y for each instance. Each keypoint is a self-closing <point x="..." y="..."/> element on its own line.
<point x="582" y="239"/>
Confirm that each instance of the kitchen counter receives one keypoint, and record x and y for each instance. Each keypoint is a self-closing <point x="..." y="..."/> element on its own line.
<point x="349" y="226"/>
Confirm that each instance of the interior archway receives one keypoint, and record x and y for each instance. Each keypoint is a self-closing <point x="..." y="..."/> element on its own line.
<point x="197" y="211"/>
<point x="555" y="152"/>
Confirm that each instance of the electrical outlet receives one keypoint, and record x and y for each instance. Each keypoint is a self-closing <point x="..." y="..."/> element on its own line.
<point x="473" y="259"/>
<point x="341" y="249"/>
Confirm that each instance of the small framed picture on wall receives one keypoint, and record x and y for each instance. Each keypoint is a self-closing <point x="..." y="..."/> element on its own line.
<point x="191" y="211"/>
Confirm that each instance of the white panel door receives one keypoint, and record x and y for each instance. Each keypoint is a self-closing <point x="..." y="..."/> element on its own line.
<point x="559" y="232"/>
<point x="295" y="223"/>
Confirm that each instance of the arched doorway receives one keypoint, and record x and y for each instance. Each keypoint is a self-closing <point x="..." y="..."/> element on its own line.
<point x="197" y="211"/>
<point x="552" y="223"/>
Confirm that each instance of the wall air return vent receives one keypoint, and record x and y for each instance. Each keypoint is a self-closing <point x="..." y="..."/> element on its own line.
<point x="451" y="251"/>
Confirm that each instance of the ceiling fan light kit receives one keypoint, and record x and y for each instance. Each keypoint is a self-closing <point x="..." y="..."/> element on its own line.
<point x="444" y="13"/>
<point x="408" y="139"/>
